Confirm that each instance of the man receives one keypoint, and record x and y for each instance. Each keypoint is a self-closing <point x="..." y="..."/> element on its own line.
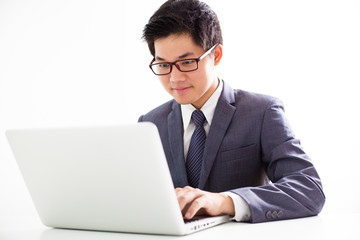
<point x="223" y="146"/>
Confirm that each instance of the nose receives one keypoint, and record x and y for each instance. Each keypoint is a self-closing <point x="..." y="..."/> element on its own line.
<point x="176" y="75"/>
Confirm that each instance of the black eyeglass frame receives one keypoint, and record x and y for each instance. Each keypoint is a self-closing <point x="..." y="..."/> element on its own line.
<point x="175" y="63"/>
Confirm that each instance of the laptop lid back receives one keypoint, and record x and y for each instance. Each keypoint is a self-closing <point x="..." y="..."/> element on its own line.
<point x="112" y="178"/>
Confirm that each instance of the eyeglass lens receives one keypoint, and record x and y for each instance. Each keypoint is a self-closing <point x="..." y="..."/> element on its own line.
<point x="186" y="65"/>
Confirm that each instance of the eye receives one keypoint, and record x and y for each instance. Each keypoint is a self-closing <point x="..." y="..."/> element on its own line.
<point x="187" y="62"/>
<point x="163" y="65"/>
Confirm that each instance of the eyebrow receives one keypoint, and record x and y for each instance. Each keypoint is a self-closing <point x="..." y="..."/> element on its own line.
<point x="179" y="57"/>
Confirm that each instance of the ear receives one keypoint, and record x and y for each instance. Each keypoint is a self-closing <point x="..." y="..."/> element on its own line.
<point x="218" y="53"/>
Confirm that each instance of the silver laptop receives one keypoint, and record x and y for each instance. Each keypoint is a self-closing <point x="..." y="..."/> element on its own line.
<point x="112" y="178"/>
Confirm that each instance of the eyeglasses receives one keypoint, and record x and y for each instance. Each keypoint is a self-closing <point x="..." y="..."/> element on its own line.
<point x="185" y="65"/>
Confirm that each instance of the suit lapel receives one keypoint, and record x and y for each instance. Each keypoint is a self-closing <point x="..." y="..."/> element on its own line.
<point x="175" y="130"/>
<point x="224" y="112"/>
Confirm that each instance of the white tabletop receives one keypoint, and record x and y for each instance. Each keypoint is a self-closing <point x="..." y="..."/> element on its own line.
<point x="319" y="227"/>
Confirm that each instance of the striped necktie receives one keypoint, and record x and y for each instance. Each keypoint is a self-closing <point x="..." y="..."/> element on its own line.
<point x="196" y="149"/>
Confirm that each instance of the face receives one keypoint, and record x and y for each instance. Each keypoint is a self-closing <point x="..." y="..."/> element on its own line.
<point x="194" y="87"/>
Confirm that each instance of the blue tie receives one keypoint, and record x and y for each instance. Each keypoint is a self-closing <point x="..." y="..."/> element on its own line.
<point x="196" y="149"/>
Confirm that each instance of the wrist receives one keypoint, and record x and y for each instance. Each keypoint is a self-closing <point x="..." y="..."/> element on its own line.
<point x="228" y="205"/>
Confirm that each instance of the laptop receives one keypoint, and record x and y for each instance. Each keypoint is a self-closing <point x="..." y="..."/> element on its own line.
<point x="105" y="178"/>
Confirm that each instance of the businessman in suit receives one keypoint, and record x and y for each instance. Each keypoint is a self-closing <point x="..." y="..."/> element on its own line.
<point x="229" y="151"/>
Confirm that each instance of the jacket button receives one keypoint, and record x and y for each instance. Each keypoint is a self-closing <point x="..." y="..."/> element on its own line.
<point x="280" y="214"/>
<point x="268" y="215"/>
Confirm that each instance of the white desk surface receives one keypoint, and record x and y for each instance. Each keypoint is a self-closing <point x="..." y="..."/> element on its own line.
<point x="324" y="226"/>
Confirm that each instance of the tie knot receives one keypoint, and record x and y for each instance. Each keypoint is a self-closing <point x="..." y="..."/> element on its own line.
<point x="198" y="117"/>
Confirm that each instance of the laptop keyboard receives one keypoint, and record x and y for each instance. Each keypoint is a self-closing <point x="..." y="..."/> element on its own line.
<point x="195" y="219"/>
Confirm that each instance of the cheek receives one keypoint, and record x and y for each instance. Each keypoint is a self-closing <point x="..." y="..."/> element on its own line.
<point x="201" y="77"/>
<point x="205" y="69"/>
<point x="209" y="68"/>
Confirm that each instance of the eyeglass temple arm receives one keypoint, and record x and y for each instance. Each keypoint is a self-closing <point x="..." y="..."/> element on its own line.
<point x="207" y="52"/>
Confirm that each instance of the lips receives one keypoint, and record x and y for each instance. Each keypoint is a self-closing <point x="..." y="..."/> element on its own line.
<point x="181" y="90"/>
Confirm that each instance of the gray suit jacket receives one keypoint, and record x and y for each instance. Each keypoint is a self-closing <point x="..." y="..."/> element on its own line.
<point x="249" y="143"/>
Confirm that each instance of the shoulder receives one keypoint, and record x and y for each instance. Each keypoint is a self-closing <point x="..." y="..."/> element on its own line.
<point x="255" y="100"/>
<point x="239" y="97"/>
<point x="158" y="112"/>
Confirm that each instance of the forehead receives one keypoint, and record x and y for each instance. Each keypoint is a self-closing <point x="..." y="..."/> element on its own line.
<point x="175" y="46"/>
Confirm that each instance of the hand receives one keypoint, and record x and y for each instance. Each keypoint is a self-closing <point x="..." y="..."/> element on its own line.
<point x="195" y="202"/>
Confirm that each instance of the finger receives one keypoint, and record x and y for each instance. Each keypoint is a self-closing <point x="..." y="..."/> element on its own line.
<point x="187" y="188"/>
<point x="186" y="196"/>
<point x="195" y="207"/>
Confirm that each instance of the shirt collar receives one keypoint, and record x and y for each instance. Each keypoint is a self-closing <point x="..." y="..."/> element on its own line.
<point x="208" y="108"/>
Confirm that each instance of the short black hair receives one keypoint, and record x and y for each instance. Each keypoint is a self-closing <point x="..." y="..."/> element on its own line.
<point x="184" y="17"/>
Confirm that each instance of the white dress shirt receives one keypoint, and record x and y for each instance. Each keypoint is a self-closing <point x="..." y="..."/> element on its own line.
<point x="242" y="211"/>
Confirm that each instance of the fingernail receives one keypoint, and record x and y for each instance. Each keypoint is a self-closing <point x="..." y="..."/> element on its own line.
<point x="188" y="215"/>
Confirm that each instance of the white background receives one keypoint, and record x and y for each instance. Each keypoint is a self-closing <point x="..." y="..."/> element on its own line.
<point x="78" y="62"/>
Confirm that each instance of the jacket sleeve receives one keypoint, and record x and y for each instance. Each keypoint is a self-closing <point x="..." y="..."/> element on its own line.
<point x="295" y="189"/>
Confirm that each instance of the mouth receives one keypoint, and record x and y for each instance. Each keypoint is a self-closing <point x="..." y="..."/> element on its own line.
<point x="181" y="90"/>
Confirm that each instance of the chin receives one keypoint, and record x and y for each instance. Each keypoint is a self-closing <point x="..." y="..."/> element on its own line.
<point x="182" y="101"/>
